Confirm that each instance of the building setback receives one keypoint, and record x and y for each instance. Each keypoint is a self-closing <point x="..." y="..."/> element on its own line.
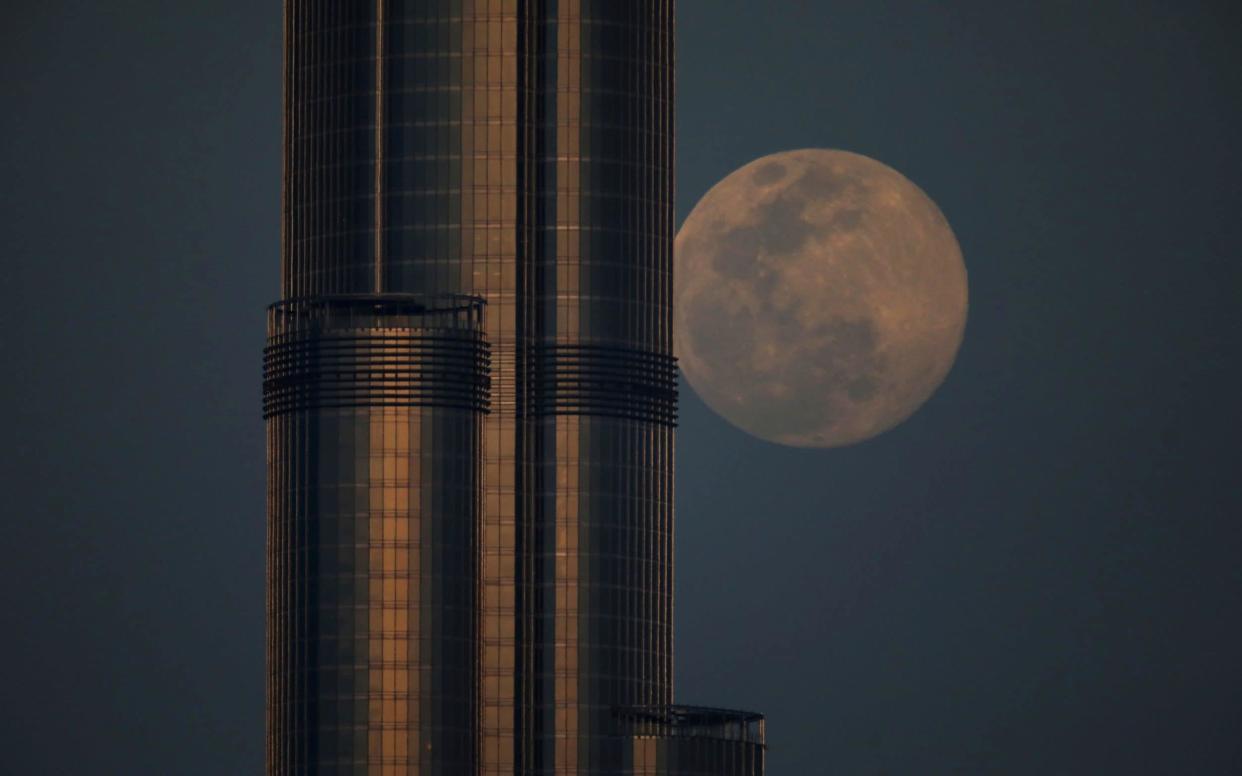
<point x="470" y="397"/>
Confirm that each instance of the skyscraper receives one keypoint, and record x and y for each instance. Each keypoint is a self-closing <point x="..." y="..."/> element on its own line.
<point x="470" y="397"/>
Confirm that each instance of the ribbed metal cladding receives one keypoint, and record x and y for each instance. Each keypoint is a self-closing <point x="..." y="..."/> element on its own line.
<point x="604" y="381"/>
<point x="374" y="411"/>
<point x="375" y="351"/>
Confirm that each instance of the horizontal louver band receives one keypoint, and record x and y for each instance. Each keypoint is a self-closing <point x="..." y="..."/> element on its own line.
<point x="374" y="352"/>
<point x="601" y="380"/>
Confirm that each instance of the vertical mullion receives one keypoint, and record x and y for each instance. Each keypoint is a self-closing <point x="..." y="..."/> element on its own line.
<point x="379" y="147"/>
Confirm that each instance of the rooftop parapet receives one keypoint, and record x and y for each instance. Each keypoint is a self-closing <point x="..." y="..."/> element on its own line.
<point x="676" y="721"/>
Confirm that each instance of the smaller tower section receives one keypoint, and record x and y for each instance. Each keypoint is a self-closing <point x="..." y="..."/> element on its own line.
<point x="374" y="407"/>
<point x="693" y="741"/>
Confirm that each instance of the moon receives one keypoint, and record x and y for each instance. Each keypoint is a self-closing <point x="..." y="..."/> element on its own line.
<point x="819" y="298"/>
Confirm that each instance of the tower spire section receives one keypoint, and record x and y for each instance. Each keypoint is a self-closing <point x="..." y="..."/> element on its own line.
<point x="471" y="397"/>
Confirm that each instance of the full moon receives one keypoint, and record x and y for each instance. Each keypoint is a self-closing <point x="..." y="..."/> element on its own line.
<point x="820" y="298"/>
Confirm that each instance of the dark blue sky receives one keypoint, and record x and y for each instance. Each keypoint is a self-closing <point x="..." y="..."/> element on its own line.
<point x="1037" y="574"/>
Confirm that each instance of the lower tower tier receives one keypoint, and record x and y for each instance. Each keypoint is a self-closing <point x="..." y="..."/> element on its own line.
<point x="374" y="409"/>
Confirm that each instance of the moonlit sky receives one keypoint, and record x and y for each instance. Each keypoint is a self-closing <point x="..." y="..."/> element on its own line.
<point x="1038" y="573"/>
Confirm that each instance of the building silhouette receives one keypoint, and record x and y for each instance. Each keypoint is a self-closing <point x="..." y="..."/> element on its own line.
<point x="470" y="397"/>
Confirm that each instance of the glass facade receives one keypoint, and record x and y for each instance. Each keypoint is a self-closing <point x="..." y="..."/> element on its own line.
<point x="513" y="158"/>
<point x="374" y="408"/>
<point x="693" y="741"/>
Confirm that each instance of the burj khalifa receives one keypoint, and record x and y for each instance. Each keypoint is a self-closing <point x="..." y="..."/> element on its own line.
<point x="470" y="397"/>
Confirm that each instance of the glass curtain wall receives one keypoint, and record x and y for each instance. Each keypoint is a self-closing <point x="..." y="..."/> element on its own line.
<point x="520" y="152"/>
<point x="374" y="411"/>
<point x="605" y="393"/>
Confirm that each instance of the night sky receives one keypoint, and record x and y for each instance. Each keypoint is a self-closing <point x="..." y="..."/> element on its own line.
<point x="1038" y="573"/>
